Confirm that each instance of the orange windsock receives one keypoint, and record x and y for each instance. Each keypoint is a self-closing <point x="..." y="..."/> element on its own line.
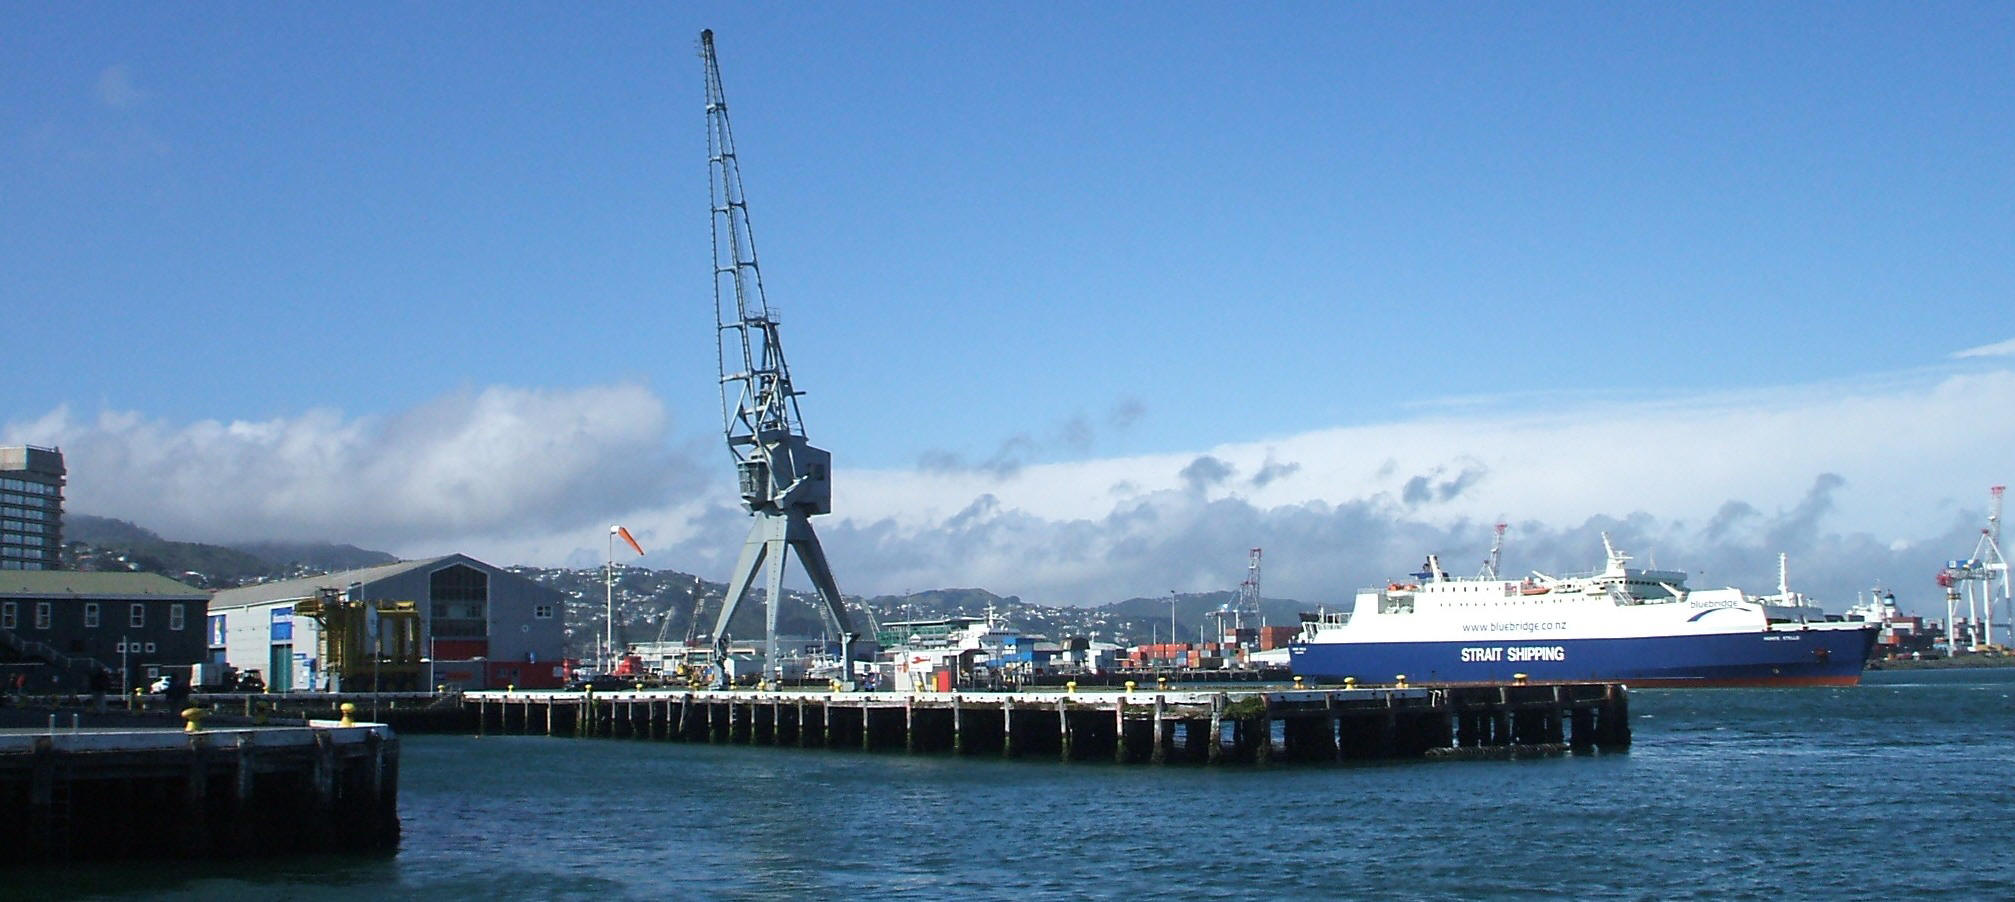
<point x="625" y="533"/>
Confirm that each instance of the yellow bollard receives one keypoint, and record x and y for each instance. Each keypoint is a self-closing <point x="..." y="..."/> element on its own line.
<point x="194" y="716"/>
<point x="259" y="713"/>
<point x="1297" y="681"/>
<point x="1129" y="688"/>
<point x="1070" y="687"/>
<point x="1350" y="682"/>
<point x="349" y="711"/>
<point x="1399" y="681"/>
<point x="1161" y="682"/>
<point x="441" y="689"/>
<point x="1518" y="679"/>
<point x="510" y="687"/>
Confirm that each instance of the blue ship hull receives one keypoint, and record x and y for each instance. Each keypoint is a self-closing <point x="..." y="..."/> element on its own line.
<point x="1811" y="657"/>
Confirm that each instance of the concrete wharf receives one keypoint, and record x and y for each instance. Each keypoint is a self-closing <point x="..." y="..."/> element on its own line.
<point x="1159" y="726"/>
<point x="74" y="792"/>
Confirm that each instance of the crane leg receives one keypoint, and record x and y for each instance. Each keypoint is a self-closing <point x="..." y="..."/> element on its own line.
<point x="754" y="550"/>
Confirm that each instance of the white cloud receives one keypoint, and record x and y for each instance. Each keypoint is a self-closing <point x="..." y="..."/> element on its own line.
<point x="1997" y="349"/>
<point x="463" y="470"/>
<point x="116" y="89"/>
<point x="1879" y="481"/>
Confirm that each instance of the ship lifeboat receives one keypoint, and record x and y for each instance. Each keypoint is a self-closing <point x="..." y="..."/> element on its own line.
<point x="1400" y="587"/>
<point x="1532" y="588"/>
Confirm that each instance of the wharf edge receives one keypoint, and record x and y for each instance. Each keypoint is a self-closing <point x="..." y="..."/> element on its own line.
<point x="106" y="793"/>
<point x="1159" y="726"/>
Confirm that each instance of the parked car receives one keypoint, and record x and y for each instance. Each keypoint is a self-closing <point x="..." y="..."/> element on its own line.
<point x="602" y="683"/>
<point x="160" y="684"/>
<point x="251" y="681"/>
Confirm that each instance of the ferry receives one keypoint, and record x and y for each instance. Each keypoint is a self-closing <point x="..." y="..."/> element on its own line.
<point x="1622" y="624"/>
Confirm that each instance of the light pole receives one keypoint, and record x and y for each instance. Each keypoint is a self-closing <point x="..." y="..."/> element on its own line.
<point x="1172" y="634"/>
<point x="609" y="602"/>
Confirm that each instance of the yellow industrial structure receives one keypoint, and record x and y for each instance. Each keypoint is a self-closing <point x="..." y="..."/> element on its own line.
<point x="366" y="646"/>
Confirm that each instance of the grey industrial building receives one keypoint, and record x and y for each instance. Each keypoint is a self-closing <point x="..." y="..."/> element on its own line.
<point x="31" y="507"/>
<point x="59" y="627"/>
<point x="479" y="627"/>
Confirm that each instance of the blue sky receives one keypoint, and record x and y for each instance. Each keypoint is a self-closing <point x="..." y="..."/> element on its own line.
<point x="284" y="259"/>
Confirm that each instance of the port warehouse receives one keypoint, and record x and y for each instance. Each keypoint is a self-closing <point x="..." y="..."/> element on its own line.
<point x="1129" y="727"/>
<point x="61" y="629"/>
<point x="450" y="621"/>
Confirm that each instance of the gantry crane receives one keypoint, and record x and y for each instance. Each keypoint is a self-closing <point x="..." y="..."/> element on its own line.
<point x="1244" y="603"/>
<point x="784" y="480"/>
<point x="1985" y="567"/>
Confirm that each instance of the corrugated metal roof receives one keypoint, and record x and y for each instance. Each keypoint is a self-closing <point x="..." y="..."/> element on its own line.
<point x="92" y="584"/>
<point x="263" y="593"/>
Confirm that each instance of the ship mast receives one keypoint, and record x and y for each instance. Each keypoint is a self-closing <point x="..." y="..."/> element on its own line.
<point x="1496" y="555"/>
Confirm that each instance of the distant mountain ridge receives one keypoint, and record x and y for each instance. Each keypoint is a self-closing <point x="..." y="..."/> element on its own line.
<point x="650" y="604"/>
<point x="318" y="555"/>
<point x="105" y="543"/>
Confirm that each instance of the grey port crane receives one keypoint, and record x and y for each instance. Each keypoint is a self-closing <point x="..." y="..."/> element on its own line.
<point x="784" y="480"/>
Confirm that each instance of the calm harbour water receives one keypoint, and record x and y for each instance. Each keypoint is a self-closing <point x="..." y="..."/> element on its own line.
<point x="1896" y="789"/>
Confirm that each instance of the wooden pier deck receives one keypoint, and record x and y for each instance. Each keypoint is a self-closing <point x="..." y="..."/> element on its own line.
<point x="1159" y="726"/>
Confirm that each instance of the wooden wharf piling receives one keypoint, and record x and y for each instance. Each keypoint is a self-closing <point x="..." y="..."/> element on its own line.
<point x="1162" y="726"/>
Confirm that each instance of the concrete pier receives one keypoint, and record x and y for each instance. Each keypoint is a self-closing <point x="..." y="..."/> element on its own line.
<point x="85" y="793"/>
<point x="1207" y="727"/>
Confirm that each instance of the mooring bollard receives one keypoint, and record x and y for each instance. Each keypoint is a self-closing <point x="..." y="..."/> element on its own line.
<point x="1297" y="681"/>
<point x="1350" y="682"/>
<point x="1161" y="682"/>
<point x="1399" y="681"/>
<point x="1070" y="687"/>
<point x="1518" y="679"/>
<point x="349" y="710"/>
<point x="194" y="716"/>
<point x="1129" y="689"/>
